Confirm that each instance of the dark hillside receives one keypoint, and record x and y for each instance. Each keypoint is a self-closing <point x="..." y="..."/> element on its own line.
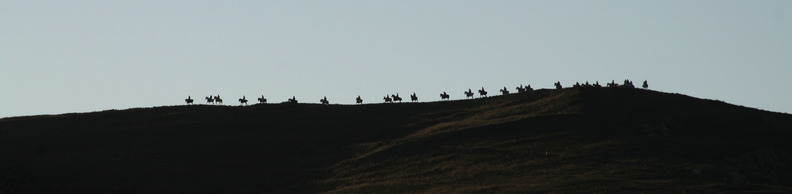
<point x="577" y="139"/>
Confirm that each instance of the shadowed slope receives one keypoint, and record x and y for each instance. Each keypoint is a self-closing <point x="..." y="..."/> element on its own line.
<point x="582" y="139"/>
<point x="186" y="149"/>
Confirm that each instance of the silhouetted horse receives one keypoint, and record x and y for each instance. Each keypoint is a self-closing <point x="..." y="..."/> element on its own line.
<point x="482" y="92"/>
<point x="396" y="97"/>
<point x="444" y="96"/>
<point x="262" y="99"/>
<point x="324" y="100"/>
<point x="628" y="84"/>
<point x="558" y="85"/>
<point x="387" y="99"/>
<point x="292" y="100"/>
<point x="613" y="84"/>
<point x="597" y="85"/>
<point x="413" y="97"/>
<point x="209" y="99"/>
<point x="218" y="99"/>
<point x="243" y="100"/>
<point x="645" y="85"/>
<point x="469" y="93"/>
<point x="188" y="100"/>
<point x="504" y="91"/>
<point x="520" y="89"/>
<point x="359" y="100"/>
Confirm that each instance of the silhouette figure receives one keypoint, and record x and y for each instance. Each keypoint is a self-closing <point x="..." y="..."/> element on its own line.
<point x="218" y="99"/>
<point x="528" y="88"/>
<point x="520" y="89"/>
<point x="482" y="92"/>
<point x="262" y="99"/>
<point x="324" y="100"/>
<point x="504" y="91"/>
<point x="396" y="97"/>
<point x="292" y="100"/>
<point x="645" y="85"/>
<point x="387" y="99"/>
<point x="359" y="100"/>
<point x="558" y="85"/>
<point x="243" y="100"/>
<point x="597" y="85"/>
<point x="628" y="84"/>
<point x="613" y="84"/>
<point x="413" y="97"/>
<point x="468" y="94"/>
<point x="188" y="100"/>
<point x="444" y="96"/>
<point x="577" y="85"/>
<point x="209" y="100"/>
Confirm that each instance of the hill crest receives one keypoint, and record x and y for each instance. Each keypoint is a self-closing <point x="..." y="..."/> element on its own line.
<point x="566" y="140"/>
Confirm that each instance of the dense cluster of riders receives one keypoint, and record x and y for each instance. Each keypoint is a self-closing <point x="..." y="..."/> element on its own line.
<point x="443" y="96"/>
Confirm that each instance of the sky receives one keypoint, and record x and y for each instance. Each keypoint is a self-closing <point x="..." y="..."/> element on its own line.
<point x="92" y="55"/>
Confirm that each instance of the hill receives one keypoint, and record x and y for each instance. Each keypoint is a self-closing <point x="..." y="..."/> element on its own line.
<point x="574" y="139"/>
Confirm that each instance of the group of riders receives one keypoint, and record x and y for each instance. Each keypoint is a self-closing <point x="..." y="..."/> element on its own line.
<point x="414" y="98"/>
<point x="218" y="100"/>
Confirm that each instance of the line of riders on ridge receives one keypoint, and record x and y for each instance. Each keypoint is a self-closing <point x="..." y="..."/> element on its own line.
<point x="414" y="98"/>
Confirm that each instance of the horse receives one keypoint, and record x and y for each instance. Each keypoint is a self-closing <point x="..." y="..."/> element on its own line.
<point x="292" y="100"/>
<point x="209" y="99"/>
<point x="558" y="85"/>
<point x="324" y="100"/>
<point x="645" y="85"/>
<point x="262" y="99"/>
<point x="613" y="84"/>
<point x="504" y="91"/>
<point x="396" y="97"/>
<point x="444" y="96"/>
<point x="218" y="99"/>
<point x="469" y="93"/>
<point x="188" y="100"/>
<point x="359" y="100"/>
<point x="387" y="99"/>
<point x="628" y="84"/>
<point x="243" y="100"/>
<point x="528" y="88"/>
<point x="520" y="89"/>
<point x="482" y="92"/>
<point x="413" y="97"/>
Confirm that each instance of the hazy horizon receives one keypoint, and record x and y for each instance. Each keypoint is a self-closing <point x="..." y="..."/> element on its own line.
<point x="86" y="55"/>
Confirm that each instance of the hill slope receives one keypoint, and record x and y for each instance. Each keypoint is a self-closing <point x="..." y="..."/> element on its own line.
<point x="576" y="139"/>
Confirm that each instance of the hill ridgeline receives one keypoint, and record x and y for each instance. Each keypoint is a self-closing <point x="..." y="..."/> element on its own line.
<point x="567" y="140"/>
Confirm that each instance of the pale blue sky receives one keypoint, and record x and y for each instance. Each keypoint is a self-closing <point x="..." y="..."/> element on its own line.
<point x="92" y="55"/>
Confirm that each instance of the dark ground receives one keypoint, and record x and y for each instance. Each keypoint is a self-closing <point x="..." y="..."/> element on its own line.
<point x="571" y="140"/>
